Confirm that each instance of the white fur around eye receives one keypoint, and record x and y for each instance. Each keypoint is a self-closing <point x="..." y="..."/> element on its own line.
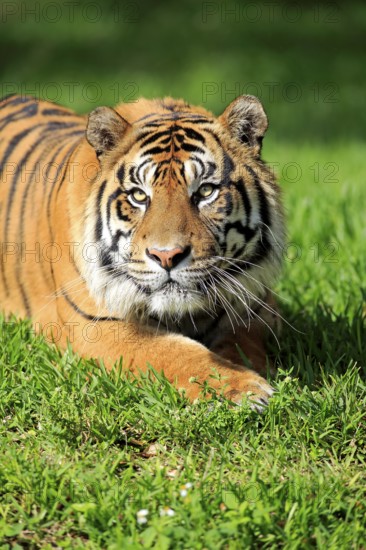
<point x="136" y="203"/>
<point x="208" y="200"/>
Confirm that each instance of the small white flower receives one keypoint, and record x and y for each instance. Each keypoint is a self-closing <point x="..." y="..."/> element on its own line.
<point x="166" y="511"/>
<point x="141" y="516"/>
<point x="184" y="489"/>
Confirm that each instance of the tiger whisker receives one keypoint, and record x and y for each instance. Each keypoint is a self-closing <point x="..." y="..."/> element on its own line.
<point x="227" y="305"/>
<point x="255" y="314"/>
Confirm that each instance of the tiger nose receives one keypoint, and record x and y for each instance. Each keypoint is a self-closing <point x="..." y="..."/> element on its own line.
<point x="168" y="258"/>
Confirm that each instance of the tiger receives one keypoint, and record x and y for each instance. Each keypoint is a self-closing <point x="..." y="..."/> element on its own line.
<point x="149" y="234"/>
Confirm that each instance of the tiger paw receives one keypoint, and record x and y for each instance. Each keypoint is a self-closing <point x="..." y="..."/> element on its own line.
<point x="257" y="391"/>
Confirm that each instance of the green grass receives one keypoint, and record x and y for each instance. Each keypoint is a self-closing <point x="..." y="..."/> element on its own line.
<point x="75" y="464"/>
<point x="82" y="452"/>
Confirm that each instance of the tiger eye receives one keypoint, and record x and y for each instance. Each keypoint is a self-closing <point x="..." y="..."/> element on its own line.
<point x="139" y="196"/>
<point x="206" y="190"/>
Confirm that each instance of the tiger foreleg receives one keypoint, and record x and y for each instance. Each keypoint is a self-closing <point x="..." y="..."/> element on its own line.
<point x="185" y="362"/>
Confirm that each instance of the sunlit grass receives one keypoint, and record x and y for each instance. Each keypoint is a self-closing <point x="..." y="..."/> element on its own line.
<point x="90" y="460"/>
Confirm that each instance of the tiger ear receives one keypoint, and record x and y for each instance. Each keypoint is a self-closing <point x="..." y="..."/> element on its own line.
<point x="105" y="129"/>
<point x="246" y="120"/>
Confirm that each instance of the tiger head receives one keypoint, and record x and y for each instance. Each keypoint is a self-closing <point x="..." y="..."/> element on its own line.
<point x="185" y="214"/>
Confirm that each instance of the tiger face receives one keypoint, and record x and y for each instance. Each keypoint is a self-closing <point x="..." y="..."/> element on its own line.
<point x="186" y="215"/>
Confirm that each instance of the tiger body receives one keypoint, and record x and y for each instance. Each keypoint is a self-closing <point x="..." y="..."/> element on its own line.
<point x="151" y="232"/>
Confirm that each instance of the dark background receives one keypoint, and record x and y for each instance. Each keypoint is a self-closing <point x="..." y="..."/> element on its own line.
<point x="305" y="60"/>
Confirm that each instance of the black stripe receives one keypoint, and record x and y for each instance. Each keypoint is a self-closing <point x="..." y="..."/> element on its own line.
<point x="23" y="113"/>
<point x="18" y="137"/>
<point x="200" y="162"/>
<point x="228" y="168"/>
<point x="155" y="136"/>
<point x="16" y="101"/>
<point x="140" y="167"/>
<point x="106" y="260"/>
<point x="145" y="117"/>
<point x="142" y="135"/>
<point x="179" y="138"/>
<point x="240" y="186"/>
<point x="161" y="171"/>
<point x="121" y="173"/>
<point x="122" y="217"/>
<point x="99" y="222"/>
<point x="186" y="115"/>
<point x="246" y="231"/>
<point x="182" y="173"/>
<point x="131" y="174"/>
<point x="69" y="152"/>
<point x="210" y="170"/>
<point x="263" y="246"/>
<point x="57" y="112"/>
<point x="50" y="163"/>
<point x="112" y="197"/>
<point x="83" y="314"/>
<point x="19" y="167"/>
<point x="15" y="140"/>
<point x="22" y="216"/>
<point x="63" y="165"/>
<point x="263" y="203"/>
<point x="59" y="125"/>
<point x="238" y="253"/>
<point x="191" y="148"/>
<point x="176" y="160"/>
<point x="161" y="118"/>
<point x="192" y="134"/>
<point x="166" y="140"/>
<point x="116" y="237"/>
<point x="154" y="124"/>
<point x="262" y="249"/>
<point x="136" y="282"/>
<point x="229" y="202"/>
<point x="196" y="121"/>
<point x="46" y="273"/>
<point x="25" y="300"/>
<point x="155" y="151"/>
<point x="161" y="162"/>
<point x="215" y="136"/>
